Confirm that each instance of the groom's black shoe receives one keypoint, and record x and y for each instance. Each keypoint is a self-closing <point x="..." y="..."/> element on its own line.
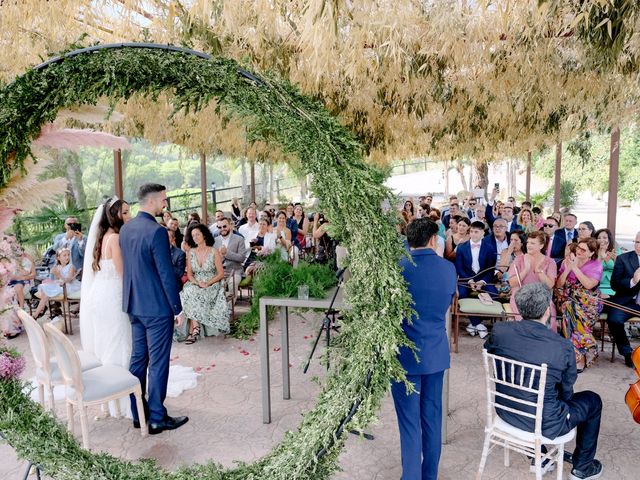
<point x="169" y="423"/>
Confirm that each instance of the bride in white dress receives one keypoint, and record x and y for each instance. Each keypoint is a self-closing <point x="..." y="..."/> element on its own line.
<point x="105" y="330"/>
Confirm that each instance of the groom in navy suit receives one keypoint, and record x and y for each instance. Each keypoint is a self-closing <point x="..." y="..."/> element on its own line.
<point x="150" y="297"/>
<point x="431" y="282"/>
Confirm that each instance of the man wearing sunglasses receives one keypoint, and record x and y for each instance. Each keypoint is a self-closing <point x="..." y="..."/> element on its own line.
<point x="233" y="250"/>
<point x="549" y="227"/>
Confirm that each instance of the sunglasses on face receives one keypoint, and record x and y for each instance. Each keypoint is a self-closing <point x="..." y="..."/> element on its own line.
<point x="222" y="226"/>
<point x="548" y="225"/>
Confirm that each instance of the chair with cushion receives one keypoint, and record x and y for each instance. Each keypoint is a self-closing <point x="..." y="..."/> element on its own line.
<point x="475" y="308"/>
<point x="47" y="371"/>
<point x="526" y="378"/>
<point x="92" y="387"/>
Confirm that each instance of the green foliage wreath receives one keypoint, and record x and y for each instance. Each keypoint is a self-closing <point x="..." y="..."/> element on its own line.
<point x="351" y="193"/>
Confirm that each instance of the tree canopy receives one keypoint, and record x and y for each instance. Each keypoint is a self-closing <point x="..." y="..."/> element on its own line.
<point x="447" y="78"/>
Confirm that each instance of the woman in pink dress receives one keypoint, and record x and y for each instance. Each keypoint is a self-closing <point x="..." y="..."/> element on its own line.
<point x="578" y="299"/>
<point x="533" y="267"/>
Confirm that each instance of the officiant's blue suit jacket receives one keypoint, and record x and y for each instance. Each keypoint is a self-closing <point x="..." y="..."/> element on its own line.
<point x="432" y="284"/>
<point x="150" y="288"/>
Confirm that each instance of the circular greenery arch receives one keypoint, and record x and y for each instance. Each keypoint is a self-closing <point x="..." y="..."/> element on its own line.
<point x="351" y="192"/>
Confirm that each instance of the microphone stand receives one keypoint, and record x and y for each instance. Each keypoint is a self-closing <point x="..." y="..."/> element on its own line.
<point x="328" y="323"/>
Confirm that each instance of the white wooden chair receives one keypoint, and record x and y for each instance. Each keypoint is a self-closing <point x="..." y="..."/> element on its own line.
<point x="47" y="372"/>
<point x="92" y="387"/>
<point x="523" y="377"/>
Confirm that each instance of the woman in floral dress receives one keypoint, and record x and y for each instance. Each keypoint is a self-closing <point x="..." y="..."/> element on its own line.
<point x="578" y="299"/>
<point x="203" y="298"/>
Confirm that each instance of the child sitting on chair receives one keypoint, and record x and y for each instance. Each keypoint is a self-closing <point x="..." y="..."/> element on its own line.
<point x="63" y="273"/>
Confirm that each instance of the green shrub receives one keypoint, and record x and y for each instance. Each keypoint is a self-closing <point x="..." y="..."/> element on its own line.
<point x="279" y="279"/>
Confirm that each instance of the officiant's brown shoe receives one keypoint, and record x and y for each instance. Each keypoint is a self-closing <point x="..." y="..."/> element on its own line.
<point x="169" y="423"/>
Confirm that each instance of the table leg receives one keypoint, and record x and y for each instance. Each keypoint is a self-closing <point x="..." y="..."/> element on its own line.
<point x="445" y="387"/>
<point x="264" y="365"/>
<point x="284" y="324"/>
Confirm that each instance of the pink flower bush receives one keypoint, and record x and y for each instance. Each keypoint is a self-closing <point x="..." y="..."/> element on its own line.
<point x="11" y="363"/>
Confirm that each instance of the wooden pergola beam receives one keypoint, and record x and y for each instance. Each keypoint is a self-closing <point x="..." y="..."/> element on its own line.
<point x="614" y="162"/>
<point x="117" y="174"/>
<point x="528" y="184"/>
<point x="203" y="188"/>
<point x="558" y="172"/>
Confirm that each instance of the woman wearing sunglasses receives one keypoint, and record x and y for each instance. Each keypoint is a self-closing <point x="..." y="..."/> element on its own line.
<point x="578" y="300"/>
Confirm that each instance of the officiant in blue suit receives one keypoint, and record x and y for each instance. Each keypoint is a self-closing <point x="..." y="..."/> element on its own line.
<point x="150" y="297"/>
<point x="431" y="282"/>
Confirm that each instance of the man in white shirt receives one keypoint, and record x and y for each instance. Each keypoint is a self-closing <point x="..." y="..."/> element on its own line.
<point x="250" y="229"/>
<point x="213" y="228"/>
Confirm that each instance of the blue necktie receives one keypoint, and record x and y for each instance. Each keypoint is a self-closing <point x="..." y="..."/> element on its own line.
<point x="570" y="236"/>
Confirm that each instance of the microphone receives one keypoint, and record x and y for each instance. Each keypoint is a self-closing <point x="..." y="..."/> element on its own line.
<point x="340" y="272"/>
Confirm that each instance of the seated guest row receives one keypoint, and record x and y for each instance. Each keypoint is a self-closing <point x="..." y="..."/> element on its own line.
<point x="577" y="261"/>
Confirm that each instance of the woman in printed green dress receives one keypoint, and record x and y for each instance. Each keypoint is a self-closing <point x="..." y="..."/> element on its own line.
<point x="203" y="298"/>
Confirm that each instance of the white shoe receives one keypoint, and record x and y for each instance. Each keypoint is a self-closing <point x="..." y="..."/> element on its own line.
<point x="471" y="330"/>
<point x="482" y="330"/>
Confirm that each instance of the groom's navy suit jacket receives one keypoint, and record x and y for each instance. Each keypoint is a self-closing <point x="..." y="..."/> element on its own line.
<point x="150" y="288"/>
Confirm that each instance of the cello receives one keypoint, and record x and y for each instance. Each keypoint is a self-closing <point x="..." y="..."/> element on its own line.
<point x="632" y="397"/>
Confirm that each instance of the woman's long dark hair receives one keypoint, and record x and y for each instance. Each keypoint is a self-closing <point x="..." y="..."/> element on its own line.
<point x="111" y="218"/>
<point x="206" y="233"/>
<point x="612" y="243"/>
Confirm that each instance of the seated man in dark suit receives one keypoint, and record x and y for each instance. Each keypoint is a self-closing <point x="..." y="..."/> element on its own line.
<point x="431" y="282"/>
<point x="625" y="281"/>
<point x="531" y="341"/>
<point x="474" y="262"/>
<point x="562" y="236"/>
<point x="178" y="258"/>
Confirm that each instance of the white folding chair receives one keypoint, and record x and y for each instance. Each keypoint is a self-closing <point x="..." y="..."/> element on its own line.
<point x="92" y="387"/>
<point x="531" y="380"/>
<point x="47" y="372"/>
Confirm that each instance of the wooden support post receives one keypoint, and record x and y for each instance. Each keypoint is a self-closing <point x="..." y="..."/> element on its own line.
<point x="203" y="188"/>
<point x="556" y="189"/>
<point x="528" y="185"/>
<point x="446" y="180"/>
<point x="253" y="181"/>
<point x="117" y="174"/>
<point x="614" y="161"/>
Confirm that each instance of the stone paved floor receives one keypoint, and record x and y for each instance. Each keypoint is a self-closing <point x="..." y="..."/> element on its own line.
<point x="225" y="415"/>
